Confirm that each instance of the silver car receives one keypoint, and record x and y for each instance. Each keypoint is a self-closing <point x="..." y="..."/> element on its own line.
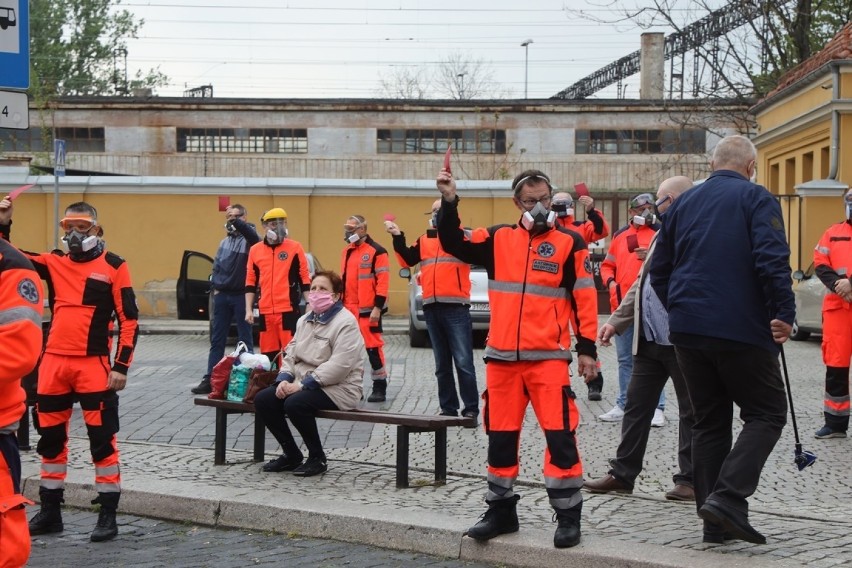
<point x="809" y="291"/>
<point x="480" y="312"/>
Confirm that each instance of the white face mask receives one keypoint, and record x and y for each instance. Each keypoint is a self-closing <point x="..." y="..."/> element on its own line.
<point x="276" y="235"/>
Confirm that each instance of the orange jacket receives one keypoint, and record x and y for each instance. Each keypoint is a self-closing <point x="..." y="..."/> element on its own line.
<point x="621" y="265"/>
<point x="366" y="276"/>
<point x="279" y="272"/>
<point x="443" y="278"/>
<point x="536" y="283"/>
<point x="84" y="299"/>
<point x="593" y="228"/>
<point x="20" y="329"/>
<point x="833" y="261"/>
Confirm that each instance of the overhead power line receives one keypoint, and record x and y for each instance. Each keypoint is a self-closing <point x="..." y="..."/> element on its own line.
<point x="712" y="26"/>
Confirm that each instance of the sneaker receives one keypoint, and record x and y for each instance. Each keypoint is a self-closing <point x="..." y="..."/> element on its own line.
<point x="826" y="432"/>
<point x="204" y="387"/>
<point x="614" y="415"/>
<point x="659" y="419"/>
<point x="448" y="413"/>
<point x="314" y="466"/>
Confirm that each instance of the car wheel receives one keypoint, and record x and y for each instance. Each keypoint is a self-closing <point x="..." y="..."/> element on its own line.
<point x="416" y="337"/>
<point x="799" y="334"/>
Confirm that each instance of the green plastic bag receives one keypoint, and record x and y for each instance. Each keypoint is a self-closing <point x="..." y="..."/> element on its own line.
<point x="238" y="383"/>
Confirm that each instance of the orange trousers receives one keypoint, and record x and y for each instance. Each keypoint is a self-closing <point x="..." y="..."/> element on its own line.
<point x="14" y="530"/>
<point x="836" y="354"/>
<point x="62" y="379"/>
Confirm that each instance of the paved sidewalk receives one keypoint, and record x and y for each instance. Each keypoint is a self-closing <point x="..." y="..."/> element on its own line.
<point x="168" y="472"/>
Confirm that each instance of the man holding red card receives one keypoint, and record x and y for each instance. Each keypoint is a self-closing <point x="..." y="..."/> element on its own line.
<point x="539" y="277"/>
<point x="592" y="229"/>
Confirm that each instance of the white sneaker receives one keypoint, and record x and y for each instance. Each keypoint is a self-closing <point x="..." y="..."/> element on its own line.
<point x="614" y="415"/>
<point x="659" y="419"/>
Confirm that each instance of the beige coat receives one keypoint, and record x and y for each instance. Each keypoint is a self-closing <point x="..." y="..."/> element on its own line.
<point x="628" y="314"/>
<point x="334" y="351"/>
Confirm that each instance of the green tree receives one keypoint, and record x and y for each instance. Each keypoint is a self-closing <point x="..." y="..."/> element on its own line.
<point x="78" y="47"/>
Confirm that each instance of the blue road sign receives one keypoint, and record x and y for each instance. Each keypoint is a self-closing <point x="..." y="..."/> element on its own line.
<point x="15" y="44"/>
<point x="59" y="157"/>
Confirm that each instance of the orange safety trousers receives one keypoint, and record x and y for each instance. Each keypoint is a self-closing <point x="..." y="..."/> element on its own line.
<point x="510" y="386"/>
<point x="836" y="354"/>
<point x="274" y="336"/>
<point x="14" y="530"/>
<point x="61" y="380"/>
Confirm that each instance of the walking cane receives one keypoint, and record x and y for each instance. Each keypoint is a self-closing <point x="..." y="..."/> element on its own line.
<point x="803" y="458"/>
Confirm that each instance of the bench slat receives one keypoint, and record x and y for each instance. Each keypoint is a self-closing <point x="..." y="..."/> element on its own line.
<point x="405" y="423"/>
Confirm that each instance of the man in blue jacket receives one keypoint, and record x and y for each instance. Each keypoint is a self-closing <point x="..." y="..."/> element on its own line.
<point x="722" y="270"/>
<point x="228" y="284"/>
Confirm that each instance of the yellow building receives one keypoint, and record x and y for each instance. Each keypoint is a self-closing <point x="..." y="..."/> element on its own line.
<point x="804" y="127"/>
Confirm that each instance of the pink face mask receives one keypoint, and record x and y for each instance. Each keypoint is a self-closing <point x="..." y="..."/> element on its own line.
<point x="320" y="301"/>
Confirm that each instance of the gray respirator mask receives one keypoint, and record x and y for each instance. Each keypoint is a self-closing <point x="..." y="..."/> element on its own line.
<point x="79" y="243"/>
<point x="538" y="219"/>
<point x="276" y="235"/>
<point x="646" y="218"/>
<point x="849" y="207"/>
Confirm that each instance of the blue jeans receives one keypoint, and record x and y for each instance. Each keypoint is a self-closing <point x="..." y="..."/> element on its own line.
<point x="624" y="350"/>
<point x="227" y="307"/>
<point x="452" y="340"/>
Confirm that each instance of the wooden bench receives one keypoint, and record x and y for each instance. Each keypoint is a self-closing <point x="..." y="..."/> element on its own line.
<point x="405" y="423"/>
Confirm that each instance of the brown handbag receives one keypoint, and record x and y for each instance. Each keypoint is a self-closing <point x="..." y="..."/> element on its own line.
<point x="261" y="379"/>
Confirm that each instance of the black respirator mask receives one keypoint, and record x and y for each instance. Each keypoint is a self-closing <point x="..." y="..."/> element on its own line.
<point x="538" y="219"/>
<point x="563" y="208"/>
<point x="79" y="243"/>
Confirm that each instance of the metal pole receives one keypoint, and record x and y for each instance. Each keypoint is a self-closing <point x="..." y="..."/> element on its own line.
<point x="526" y="46"/>
<point x="55" y="211"/>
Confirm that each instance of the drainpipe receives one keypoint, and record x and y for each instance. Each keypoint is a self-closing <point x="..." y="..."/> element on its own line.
<point x="835" y="121"/>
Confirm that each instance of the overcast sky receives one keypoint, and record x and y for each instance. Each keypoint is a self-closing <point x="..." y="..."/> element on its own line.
<point x="342" y="48"/>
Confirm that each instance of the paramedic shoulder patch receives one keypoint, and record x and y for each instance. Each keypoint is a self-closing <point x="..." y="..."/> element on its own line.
<point x="545" y="266"/>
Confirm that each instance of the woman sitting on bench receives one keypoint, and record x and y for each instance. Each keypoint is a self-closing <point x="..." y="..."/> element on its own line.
<point x="322" y="370"/>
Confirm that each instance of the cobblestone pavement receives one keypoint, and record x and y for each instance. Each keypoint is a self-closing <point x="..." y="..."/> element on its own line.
<point x="149" y="543"/>
<point x="803" y="514"/>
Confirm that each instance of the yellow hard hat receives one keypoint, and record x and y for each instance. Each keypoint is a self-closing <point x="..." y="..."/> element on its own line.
<point x="274" y="213"/>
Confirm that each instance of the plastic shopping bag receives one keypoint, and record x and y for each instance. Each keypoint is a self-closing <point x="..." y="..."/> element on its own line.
<point x="238" y="382"/>
<point x="222" y="371"/>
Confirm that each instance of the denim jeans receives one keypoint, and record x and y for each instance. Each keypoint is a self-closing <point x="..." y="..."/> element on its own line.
<point x="452" y="340"/>
<point x="227" y="307"/>
<point x="624" y="350"/>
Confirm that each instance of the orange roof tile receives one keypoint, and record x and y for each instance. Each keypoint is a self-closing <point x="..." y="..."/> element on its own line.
<point x="839" y="47"/>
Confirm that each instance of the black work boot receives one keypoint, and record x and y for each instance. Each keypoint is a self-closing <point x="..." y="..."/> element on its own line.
<point x="567" y="529"/>
<point x="204" y="387"/>
<point x="500" y="518"/>
<point x="106" y="529"/>
<point x="49" y="518"/>
<point x="380" y="389"/>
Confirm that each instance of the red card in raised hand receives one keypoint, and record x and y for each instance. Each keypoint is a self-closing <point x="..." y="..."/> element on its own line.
<point x="389" y="217"/>
<point x="581" y="189"/>
<point x="447" y="159"/>
<point x="18" y="191"/>
<point x="224" y="202"/>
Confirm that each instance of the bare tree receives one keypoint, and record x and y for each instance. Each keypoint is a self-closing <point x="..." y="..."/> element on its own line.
<point x="457" y="76"/>
<point x="405" y="83"/>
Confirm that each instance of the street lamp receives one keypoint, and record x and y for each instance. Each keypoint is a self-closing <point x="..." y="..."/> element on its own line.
<point x="526" y="46"/>
<point x="461" y="84"/>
